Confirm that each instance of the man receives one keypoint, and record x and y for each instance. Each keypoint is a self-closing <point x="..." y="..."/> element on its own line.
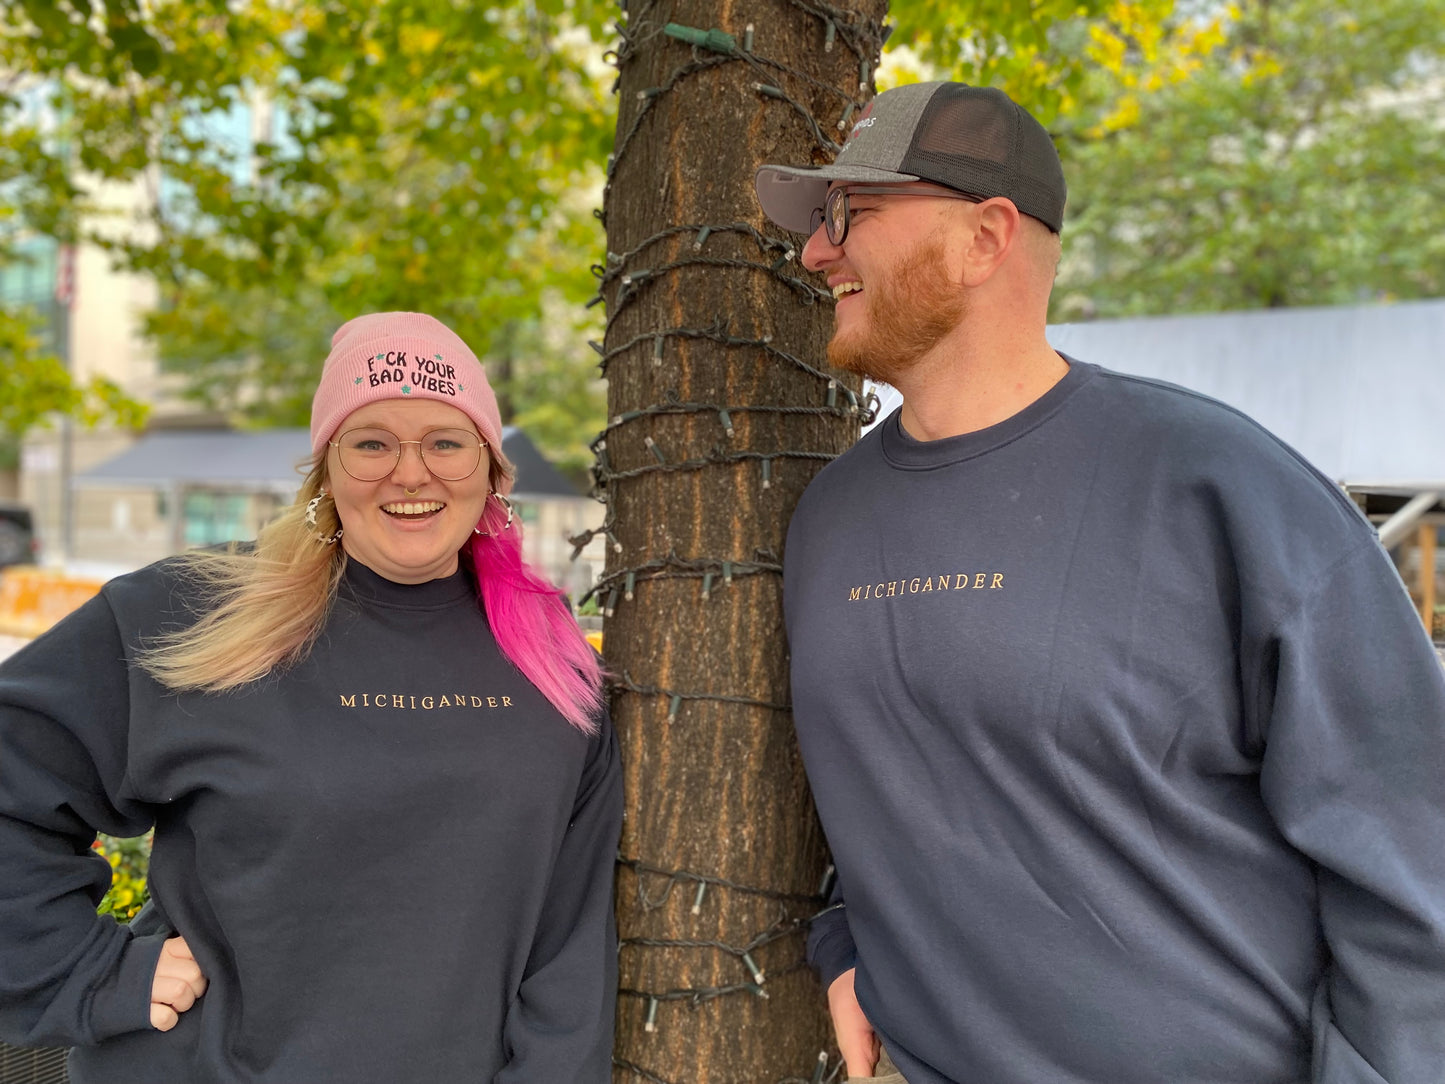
<point x="1127" y="742"/>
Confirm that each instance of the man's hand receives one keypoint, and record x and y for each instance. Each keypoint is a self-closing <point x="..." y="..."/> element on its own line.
<point x="856" y="1041"/>
<point x="177" y="984"/>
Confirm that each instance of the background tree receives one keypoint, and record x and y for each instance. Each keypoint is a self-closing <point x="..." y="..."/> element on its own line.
<point x="37" y="386"/>
<point x="1043" y="52"/>
<point x="1304" y="164"/>
<point x="305" y="162"/>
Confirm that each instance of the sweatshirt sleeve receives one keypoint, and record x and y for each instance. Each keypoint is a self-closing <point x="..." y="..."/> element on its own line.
<point x="830" y="943"/>
<point x="560" y="1026"/>
<point x="1353" y="701"/>
<point x="68" y="976"/>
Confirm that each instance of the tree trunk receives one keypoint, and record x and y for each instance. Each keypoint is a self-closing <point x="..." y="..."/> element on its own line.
<point x="721" y="411"/>
<point x="501" y="365"/>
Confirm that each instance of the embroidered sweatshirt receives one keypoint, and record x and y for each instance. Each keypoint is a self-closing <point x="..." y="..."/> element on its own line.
<point x="1128" y="744"/>
<point x="393" y="861"/>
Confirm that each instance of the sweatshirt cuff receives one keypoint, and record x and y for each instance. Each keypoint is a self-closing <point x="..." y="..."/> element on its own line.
<point x="830" y="948"/>
<point x="123" y="1002"/>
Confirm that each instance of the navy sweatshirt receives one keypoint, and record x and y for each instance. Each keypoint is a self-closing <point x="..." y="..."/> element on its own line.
<point x="1130" y="750"/>
<point x="393" y="861"/>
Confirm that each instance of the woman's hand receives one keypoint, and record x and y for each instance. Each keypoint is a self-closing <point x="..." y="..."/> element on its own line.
<point x="177" y="984"/>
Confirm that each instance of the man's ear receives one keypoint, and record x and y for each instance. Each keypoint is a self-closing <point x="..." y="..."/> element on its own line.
<point x="995" y="233"/>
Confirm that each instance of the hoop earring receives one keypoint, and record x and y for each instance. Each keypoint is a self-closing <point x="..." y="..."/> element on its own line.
<point x="507" y="504"/>
<point x="510" y="513"/>
<point x="311" y="506"/>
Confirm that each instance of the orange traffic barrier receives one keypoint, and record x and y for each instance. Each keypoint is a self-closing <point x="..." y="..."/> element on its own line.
<point x="33" y="599"/>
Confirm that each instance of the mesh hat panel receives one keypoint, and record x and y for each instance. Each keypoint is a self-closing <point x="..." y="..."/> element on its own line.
<point x="969" y="128"/>
<point x="978" y="140"/>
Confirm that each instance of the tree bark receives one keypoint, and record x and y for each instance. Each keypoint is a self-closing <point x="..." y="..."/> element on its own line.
<point x="721" y="411"/>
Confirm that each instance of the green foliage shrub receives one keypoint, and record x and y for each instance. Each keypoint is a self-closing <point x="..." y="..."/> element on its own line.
<point x="129" y="860"/>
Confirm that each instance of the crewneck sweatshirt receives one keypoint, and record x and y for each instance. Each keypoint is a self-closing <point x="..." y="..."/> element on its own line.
<point x="1128" y="745"/>
<point x="392" y="861"/>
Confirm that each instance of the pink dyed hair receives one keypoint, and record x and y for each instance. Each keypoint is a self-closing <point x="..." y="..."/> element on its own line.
<point x="532" y="624"/>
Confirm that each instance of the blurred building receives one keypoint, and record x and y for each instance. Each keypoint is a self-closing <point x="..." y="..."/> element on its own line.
<point x="90" y="316"/>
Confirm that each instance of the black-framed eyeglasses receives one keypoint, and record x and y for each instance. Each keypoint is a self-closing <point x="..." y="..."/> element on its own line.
<point x="835" y="213"/>
<point x="370" y="454"/>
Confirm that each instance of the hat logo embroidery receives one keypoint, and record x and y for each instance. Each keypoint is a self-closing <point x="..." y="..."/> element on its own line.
<point x="431" y="374"/>
<point x="865" y="120"/>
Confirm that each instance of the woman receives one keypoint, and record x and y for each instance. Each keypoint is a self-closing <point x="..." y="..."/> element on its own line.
<point x="385" y="797"/>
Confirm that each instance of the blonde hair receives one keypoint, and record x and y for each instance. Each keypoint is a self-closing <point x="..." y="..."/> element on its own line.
<point x="264" y="606"/>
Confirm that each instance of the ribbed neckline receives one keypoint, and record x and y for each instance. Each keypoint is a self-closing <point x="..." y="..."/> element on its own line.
<point x="363" y="583"/>
<point x="904" y="452"/>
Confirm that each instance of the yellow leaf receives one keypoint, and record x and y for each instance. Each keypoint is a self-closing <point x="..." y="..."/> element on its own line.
<point x="1108" y="49"/>
<point x="1125" y="114"/>
<point x="420" y="39"/>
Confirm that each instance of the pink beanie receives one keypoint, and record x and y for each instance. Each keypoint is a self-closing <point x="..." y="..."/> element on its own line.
<point x="402" y="355"/>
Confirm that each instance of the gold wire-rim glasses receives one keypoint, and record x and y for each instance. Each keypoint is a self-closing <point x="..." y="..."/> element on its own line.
<point x="448" y="453"/>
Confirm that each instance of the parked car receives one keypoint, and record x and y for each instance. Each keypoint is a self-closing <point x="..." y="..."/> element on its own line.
<point x="18" y="544"/>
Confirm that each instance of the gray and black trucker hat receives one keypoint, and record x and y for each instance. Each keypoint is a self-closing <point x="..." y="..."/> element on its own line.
<point x="971" y="139"/>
